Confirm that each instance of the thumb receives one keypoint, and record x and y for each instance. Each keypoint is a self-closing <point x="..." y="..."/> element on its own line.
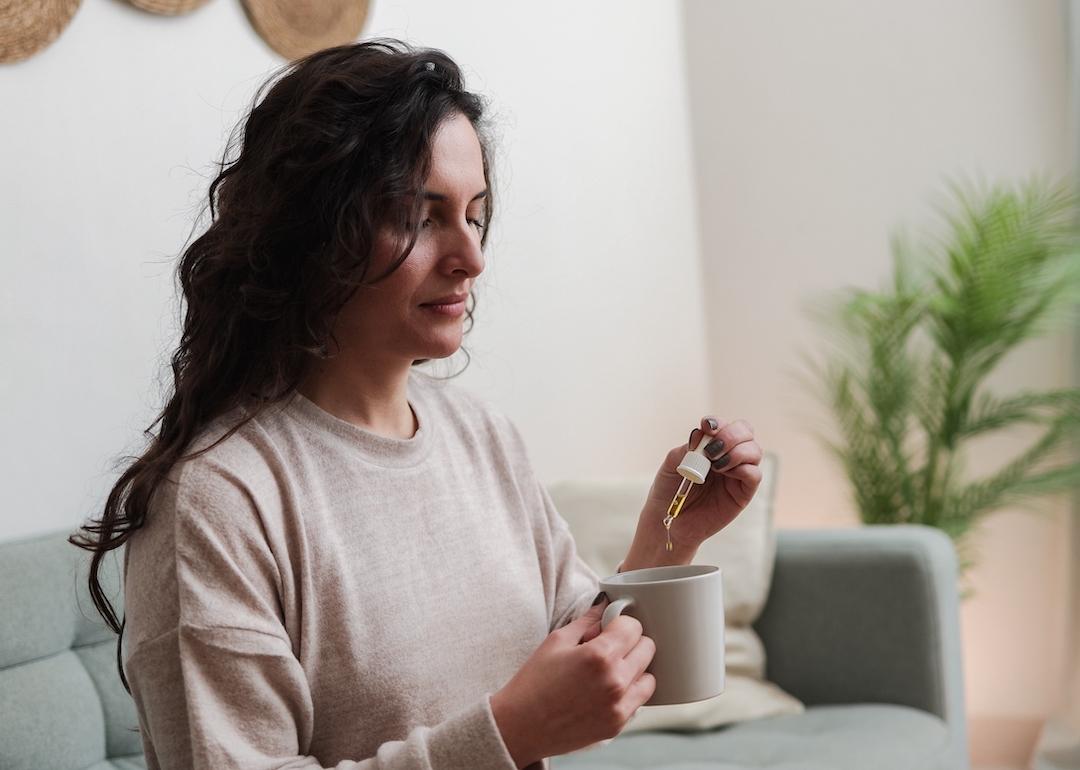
<point x="587" y="626"/>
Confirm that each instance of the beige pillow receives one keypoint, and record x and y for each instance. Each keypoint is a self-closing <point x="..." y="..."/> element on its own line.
<point x="603" y="514"/>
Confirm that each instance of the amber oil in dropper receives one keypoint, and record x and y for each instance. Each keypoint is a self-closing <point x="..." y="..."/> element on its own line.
<point x="675" y="507"/>
<point x="694" y="469"/>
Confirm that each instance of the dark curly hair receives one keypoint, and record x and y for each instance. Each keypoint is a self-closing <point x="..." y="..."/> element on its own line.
<point x="337" y="149"/>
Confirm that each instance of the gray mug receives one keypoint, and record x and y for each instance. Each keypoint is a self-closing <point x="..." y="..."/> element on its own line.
<point x="681" y="609"/>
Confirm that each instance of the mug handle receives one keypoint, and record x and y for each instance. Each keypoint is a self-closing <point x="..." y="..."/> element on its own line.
<point x="613" y="611"/>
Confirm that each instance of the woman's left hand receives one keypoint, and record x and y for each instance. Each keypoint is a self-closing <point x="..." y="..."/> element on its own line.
<point x="729" y="488"/>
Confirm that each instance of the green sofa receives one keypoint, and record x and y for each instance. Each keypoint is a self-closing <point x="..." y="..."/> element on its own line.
<point x="861" y="625"/>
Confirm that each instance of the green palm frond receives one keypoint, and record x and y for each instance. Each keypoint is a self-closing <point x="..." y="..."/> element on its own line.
<point x="990" y="412"/>
<point x="905" y="379"/>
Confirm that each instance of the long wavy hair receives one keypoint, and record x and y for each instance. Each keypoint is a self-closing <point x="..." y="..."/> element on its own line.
<point x="338" y="147"/>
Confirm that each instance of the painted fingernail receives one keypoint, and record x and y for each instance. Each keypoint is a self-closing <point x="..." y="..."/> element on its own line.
<point x="713" y="424"/>
<point x="599" y="598"/>
<point x="713" y="448"/>
<point x="718" y="464"/>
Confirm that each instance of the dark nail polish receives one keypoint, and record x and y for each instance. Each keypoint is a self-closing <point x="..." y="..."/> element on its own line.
<point x="713" y="448"/>
<point x="718" y="464"/>
<point x="599" y="598"/>
<point x="713" y="424"/>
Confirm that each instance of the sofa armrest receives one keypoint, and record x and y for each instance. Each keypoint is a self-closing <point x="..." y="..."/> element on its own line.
<point x="867" y="615"/>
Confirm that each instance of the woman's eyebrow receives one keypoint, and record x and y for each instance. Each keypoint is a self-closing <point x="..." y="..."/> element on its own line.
<point x="434" y="196"/>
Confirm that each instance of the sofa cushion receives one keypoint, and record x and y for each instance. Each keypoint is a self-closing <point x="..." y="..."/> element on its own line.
<point x="602" y="515"/>
<point x="64" y="705"/>
<point x="855" y="737"/>
<point x="136" y="762"/>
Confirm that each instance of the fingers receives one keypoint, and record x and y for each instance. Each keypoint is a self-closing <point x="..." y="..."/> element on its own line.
<point x="730" y="445"/>
<point x="744" y="452"/>
<point x="639" y="658"/>
<point x="582" y="626"/>
<point x="642" y="689"/>
<point x="709" y="425"/>
<point x="748" y="473"/>
<point x="593" y="630"/>
<point x="732" y="450"/>
<point x="620" y="636"/>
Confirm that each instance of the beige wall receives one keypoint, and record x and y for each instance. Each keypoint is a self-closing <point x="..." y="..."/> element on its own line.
<point x="818" y="127"/>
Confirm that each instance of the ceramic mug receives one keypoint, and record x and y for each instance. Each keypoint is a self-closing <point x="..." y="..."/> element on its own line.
<point x="681" y="609"/>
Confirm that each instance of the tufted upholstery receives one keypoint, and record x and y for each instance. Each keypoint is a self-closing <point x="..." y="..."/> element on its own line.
<point x="63" y="705"/>
<point x="861" y="625"/>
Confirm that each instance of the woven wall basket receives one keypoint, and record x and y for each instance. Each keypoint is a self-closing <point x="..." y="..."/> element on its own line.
<point x="27" y="27"/>
<point x="295" y="28"/>
<point x="168" y="7"/>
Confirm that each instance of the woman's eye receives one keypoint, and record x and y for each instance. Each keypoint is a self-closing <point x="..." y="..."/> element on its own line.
<point x="479" y="225"/>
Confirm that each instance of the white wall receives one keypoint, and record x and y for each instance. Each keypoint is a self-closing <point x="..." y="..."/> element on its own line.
<point x="819" y="127"/>
<point x="109" y="137"/>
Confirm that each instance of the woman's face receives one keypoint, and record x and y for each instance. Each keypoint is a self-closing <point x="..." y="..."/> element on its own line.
<point x="418" y="311"/>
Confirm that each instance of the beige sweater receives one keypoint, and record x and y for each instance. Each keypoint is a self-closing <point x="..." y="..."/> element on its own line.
<point x="311" y="594"/>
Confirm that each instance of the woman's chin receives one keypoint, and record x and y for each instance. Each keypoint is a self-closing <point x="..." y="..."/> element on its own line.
<point x="442" y="348"/>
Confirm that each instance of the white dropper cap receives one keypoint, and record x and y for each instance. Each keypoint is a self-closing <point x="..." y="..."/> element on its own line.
<point x="695" y="466"/>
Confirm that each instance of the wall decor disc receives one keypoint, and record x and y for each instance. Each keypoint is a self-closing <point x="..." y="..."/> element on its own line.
<point x="295" y="28"/>
<point x="168" y="7"/>
<point x="26" y="28"/>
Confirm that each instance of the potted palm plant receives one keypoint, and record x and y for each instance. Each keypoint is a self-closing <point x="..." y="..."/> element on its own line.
<point x="905" y="382"/>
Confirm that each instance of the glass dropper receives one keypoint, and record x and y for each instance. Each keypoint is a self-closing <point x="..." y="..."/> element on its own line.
<point x="694" y="469"/>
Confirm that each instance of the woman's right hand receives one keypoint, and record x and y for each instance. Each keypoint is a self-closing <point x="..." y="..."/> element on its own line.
<point x="580" y="686"/>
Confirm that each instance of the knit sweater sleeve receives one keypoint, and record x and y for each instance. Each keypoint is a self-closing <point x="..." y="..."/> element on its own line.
<point x="224" y="686"/>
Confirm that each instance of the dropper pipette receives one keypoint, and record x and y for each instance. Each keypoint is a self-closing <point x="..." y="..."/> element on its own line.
<point x="694" y="469"/>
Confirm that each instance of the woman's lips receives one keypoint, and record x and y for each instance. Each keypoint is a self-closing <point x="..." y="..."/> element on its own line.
<point x="452" y="309"/>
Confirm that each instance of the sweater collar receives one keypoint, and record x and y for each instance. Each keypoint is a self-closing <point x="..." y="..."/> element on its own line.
<point x="379" y="450"/>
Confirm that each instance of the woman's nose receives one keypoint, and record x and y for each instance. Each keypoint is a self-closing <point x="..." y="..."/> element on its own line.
<point x="463" y="252"/>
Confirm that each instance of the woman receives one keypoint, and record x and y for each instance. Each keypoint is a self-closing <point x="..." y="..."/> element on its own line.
<point x="334" y="560"/>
